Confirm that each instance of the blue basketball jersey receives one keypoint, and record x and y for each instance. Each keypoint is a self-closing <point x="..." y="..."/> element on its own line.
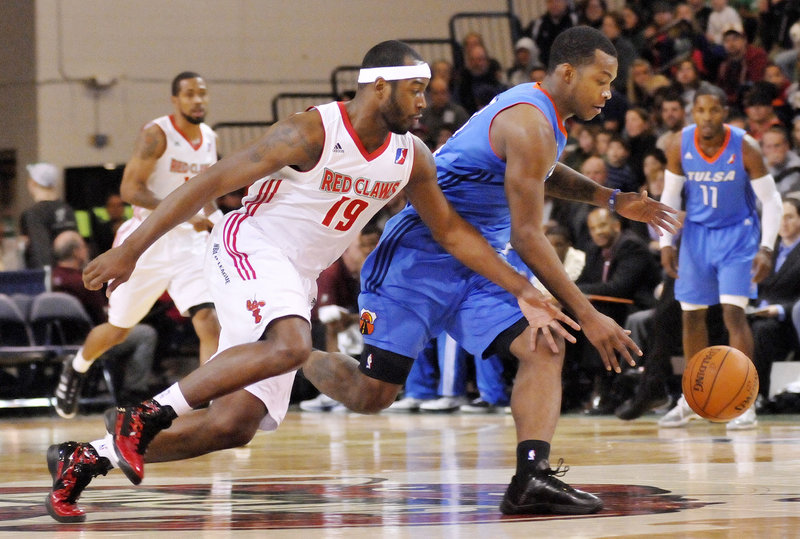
<point x="471" y="175"/>
<point x="717" y="188"/>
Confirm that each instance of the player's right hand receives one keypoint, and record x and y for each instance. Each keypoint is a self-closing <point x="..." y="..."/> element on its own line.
<point x="114" y="267"/>
<point x="669" y="261"/>
<point x="610" y="339"/>
<point x="544" y="316"/>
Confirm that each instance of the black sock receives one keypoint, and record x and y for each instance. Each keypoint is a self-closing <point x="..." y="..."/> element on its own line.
<point x="530" y="453"/>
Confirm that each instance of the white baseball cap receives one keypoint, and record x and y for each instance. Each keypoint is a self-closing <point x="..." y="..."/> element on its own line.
<point x="44" y="174"/>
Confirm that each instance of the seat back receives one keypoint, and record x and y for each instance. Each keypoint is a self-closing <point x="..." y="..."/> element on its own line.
<point x="58" y="318"/>
<point x="14" y="328"/>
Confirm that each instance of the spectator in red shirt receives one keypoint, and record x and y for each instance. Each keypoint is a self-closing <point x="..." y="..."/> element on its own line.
<point x="744" y="65"/>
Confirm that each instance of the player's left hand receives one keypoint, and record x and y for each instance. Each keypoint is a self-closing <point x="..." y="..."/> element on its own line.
<point x="544" y="316"/>
<point x="640" y="207"/>
<point x="762" y="266"/>
<point x="200" y="223"/>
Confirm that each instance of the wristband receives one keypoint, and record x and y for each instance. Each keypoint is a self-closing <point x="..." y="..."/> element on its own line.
<point x="612" y="201"/>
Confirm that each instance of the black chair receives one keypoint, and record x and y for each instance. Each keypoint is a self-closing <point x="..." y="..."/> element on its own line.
<point x="60" y="323"/>
<point x="59" y="320"/>
<point x="23" y="371"/>
<point x="14" y="328"/>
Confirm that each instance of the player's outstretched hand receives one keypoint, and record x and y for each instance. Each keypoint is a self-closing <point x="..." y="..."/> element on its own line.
<point x="610" y="339"/>
<point x="114" y="267"/>
<point x="640" y="207"/>
<point x="543" y="316"/>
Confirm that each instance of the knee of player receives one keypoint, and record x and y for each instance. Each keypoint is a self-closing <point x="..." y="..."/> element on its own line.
<point x="232" y="432"/>
<point x="374" y="395"/>
<point x="293" y="353"/>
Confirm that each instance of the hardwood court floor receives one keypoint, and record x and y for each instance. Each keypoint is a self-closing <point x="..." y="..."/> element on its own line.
<point x="422" y="475"/>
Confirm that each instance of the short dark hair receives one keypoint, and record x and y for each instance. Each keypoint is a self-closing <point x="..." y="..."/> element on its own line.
<point x="706" y="88"/>
<point x="657" y="154"/>
<point x="176" y="82"/>
<point x="793" y="200"/>
<point x="577" y="46"/>
<point x="389" y="53"/>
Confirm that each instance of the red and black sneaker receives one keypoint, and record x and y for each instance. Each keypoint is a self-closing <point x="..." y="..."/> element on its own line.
<point x="132" y="429"/>
<point x="72" y="466"/>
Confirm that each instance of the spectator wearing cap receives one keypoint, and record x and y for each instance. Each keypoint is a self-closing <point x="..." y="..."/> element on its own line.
<point x="759" y="110"/>
<point x="46" y="218"/>
<point x="526" y="55"/>
<point x="744" y="65"/>
<point x="722" y="17"/>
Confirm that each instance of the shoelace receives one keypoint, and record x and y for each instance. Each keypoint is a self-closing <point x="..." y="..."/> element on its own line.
<point x="559" y="470"/>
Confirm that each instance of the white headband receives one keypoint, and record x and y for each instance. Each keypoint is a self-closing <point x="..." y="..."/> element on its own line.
<point x="371" y="74"/>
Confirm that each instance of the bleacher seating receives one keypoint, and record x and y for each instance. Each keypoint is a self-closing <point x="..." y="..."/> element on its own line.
<point x="36" y="333"/>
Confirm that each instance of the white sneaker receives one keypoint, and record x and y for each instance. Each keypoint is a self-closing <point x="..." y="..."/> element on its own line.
<point x="321" y="403"/>
<point x="404" y="405"/>
<point x="444" y="404"/>
<point x="678" y="416"/>
<point x="745" y="421"/>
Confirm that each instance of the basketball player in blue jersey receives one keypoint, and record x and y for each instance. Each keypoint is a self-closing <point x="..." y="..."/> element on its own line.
<point x="720" y="170"/>
<point x="496" y="171"/>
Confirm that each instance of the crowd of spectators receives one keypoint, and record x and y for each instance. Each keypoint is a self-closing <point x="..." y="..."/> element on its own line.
<point x="666" y="50"/>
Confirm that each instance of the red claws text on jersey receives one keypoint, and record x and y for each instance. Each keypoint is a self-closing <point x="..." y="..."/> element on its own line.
<point x="335" y="182"/>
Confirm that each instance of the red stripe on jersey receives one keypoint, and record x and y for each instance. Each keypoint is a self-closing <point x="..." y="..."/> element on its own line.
<point x="240" y="259"/>
<point x="240" y="262"/>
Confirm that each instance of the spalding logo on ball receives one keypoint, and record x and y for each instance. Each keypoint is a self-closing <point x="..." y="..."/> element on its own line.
<point x="720" y="383"/>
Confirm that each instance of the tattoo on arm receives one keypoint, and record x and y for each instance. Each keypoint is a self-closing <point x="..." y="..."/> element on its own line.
<point x="571" y="186"/>
<point x="286" y="136"/>
<point x="148" y="145"/>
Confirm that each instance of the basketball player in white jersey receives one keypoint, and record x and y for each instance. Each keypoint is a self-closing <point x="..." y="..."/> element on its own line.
<point x="169" y="151"/>
<point x="316" y="178"/>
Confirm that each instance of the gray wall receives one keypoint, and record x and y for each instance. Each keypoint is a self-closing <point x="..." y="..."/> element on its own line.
<point x="248" y="50"/>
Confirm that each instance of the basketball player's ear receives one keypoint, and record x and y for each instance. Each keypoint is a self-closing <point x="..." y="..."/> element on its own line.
<point x="567" y="72"/>
<point x="381" y="87"/>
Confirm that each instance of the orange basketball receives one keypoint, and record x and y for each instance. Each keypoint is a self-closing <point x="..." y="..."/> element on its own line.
<point x="720" y="383"/>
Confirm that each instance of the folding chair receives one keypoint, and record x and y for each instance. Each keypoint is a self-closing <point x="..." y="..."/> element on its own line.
<point x="60" y="322"/>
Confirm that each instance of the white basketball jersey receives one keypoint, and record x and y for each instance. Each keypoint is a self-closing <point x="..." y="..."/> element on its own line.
<point x="313" y="216"/>
<point x="181" y="161"/>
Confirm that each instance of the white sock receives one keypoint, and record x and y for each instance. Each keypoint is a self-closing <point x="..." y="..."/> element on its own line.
<point x="80" y="364"/>
<point x="105" y="448"/>
<point x="172" y="396"/>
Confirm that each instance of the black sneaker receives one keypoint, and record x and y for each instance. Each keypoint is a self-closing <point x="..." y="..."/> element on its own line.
<point x="646" y="398"/>
<point x="72" y="466"/>
<point x="132" y="428"/>
<point x="478" y="406"/>
<point x="542" y="493"/>
<point x="68" y="390"/>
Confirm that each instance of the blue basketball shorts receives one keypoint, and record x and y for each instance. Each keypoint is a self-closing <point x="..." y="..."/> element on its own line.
<point x="716" y="261"/>
<point x="412" y="290"/>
